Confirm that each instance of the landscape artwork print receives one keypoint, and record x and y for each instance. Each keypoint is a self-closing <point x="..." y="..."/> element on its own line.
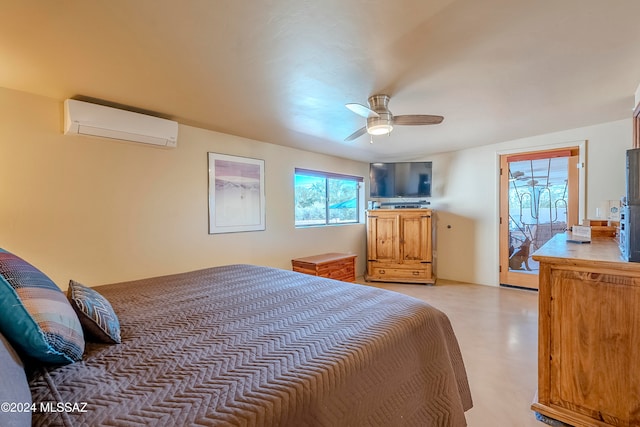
<point x="236" y="194"/>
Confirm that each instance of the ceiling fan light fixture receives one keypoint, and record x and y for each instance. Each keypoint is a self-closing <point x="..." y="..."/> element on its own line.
<point x="381" y="129"/>
<point x="382" y="125"/>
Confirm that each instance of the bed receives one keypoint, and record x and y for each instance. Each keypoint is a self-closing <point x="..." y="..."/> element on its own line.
<point x="243" y="345"/>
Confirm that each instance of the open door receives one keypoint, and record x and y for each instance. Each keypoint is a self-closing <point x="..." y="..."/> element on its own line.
<point x="538" y="199"/>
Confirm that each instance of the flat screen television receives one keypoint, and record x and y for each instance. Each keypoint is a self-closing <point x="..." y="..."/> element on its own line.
<point x="400" y="179"/>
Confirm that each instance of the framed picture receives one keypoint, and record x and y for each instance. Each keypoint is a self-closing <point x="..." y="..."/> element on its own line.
<point x="236" y="194"/>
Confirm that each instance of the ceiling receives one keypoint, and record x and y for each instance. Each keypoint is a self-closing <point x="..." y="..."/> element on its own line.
<point x="281" y="71"/>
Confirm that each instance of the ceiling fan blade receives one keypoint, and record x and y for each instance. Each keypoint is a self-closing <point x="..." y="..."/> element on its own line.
<point x="361" y="110"/>
<point x="417" y="119"/>
<point x="357" y="134"/>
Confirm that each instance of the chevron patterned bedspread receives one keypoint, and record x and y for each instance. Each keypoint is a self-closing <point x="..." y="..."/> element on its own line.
<point x="243" y="345"/>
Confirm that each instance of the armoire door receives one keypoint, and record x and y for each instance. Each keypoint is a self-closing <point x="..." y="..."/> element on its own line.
<point x="383" y="239"/>
<point x="415" y="244"/>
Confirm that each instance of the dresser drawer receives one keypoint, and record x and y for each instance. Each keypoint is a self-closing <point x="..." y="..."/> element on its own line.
<point x="402" y="273"/>
<point x="419" y="273"/>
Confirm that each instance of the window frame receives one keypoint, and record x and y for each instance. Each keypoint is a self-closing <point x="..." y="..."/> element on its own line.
<point x="327" y="176"/>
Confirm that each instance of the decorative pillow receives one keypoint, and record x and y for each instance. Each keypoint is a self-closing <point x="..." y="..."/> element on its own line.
<point x="95" y="313"/>
<point x="35" y="316"/>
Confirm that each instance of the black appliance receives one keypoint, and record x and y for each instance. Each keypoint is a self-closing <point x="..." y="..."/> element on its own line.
<point x="630" y="212"/>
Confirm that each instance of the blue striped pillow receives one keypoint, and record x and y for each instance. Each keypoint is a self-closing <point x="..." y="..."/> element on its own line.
<point x="96" y="315"/>
<point x="35" y="315"/>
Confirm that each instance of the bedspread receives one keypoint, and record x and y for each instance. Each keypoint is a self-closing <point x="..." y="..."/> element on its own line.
<point x="243" y="345"/>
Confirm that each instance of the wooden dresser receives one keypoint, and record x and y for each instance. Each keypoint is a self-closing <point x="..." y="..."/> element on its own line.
<point x="332" y="265"/>
<point x="589" y="334"/>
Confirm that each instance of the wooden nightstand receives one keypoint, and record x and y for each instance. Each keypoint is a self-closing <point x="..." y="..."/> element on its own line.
<point x="333" y="265"/>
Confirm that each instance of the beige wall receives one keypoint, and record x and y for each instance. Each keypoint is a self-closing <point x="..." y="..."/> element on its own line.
<point x="100" y="211"/>
<point x="467" y="199"/>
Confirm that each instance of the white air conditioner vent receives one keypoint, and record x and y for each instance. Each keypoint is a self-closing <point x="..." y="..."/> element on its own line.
<point x="85" y="118"/>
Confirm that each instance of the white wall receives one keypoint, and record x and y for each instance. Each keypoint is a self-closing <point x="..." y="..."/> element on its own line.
<point x="100" y="211"/>
<point x="466" y="194"/>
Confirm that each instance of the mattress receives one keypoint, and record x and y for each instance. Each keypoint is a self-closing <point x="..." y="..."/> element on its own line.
<point x="244" y="345"/>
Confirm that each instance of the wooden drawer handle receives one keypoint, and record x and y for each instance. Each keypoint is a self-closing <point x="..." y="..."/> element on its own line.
<point x="381" y="271"/>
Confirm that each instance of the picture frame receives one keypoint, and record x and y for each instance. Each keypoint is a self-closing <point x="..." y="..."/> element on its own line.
<point x="236" y="194"/>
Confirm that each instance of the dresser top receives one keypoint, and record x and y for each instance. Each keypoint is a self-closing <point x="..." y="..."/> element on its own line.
<point x="600" y="250"/>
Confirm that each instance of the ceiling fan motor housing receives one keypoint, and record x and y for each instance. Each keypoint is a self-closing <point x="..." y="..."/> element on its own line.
<point x="383" y="124"/>
<point x="379" y="103"/>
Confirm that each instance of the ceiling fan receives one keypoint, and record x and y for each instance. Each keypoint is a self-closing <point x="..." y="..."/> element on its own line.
<point x="380" y="121"/>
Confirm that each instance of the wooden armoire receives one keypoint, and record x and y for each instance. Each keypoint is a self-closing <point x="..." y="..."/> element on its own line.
<point x="400" y="246"/>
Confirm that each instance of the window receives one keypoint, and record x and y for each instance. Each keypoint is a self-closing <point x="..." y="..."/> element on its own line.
<point x="323" y="198"/>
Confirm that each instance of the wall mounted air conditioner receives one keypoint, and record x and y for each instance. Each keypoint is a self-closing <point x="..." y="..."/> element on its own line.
<point x="85" y="118"/>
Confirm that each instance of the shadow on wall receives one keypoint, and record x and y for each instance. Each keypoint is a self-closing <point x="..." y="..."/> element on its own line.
<point x="441" y="175"/>
<point x="456" y="247"/>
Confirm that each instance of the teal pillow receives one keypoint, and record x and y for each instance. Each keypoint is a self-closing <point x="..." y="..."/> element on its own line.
<point x="35" y="315"/>
<point x="95" y="313"/>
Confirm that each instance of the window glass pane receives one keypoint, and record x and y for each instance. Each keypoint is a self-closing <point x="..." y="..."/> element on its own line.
<point x="325" y="198"/>
<point x="310" y="200"/>
<point x="538" y="207"/>
<point x="343" y="201"/>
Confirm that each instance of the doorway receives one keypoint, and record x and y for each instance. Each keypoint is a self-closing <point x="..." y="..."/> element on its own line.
<point x="538" y="199"/>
